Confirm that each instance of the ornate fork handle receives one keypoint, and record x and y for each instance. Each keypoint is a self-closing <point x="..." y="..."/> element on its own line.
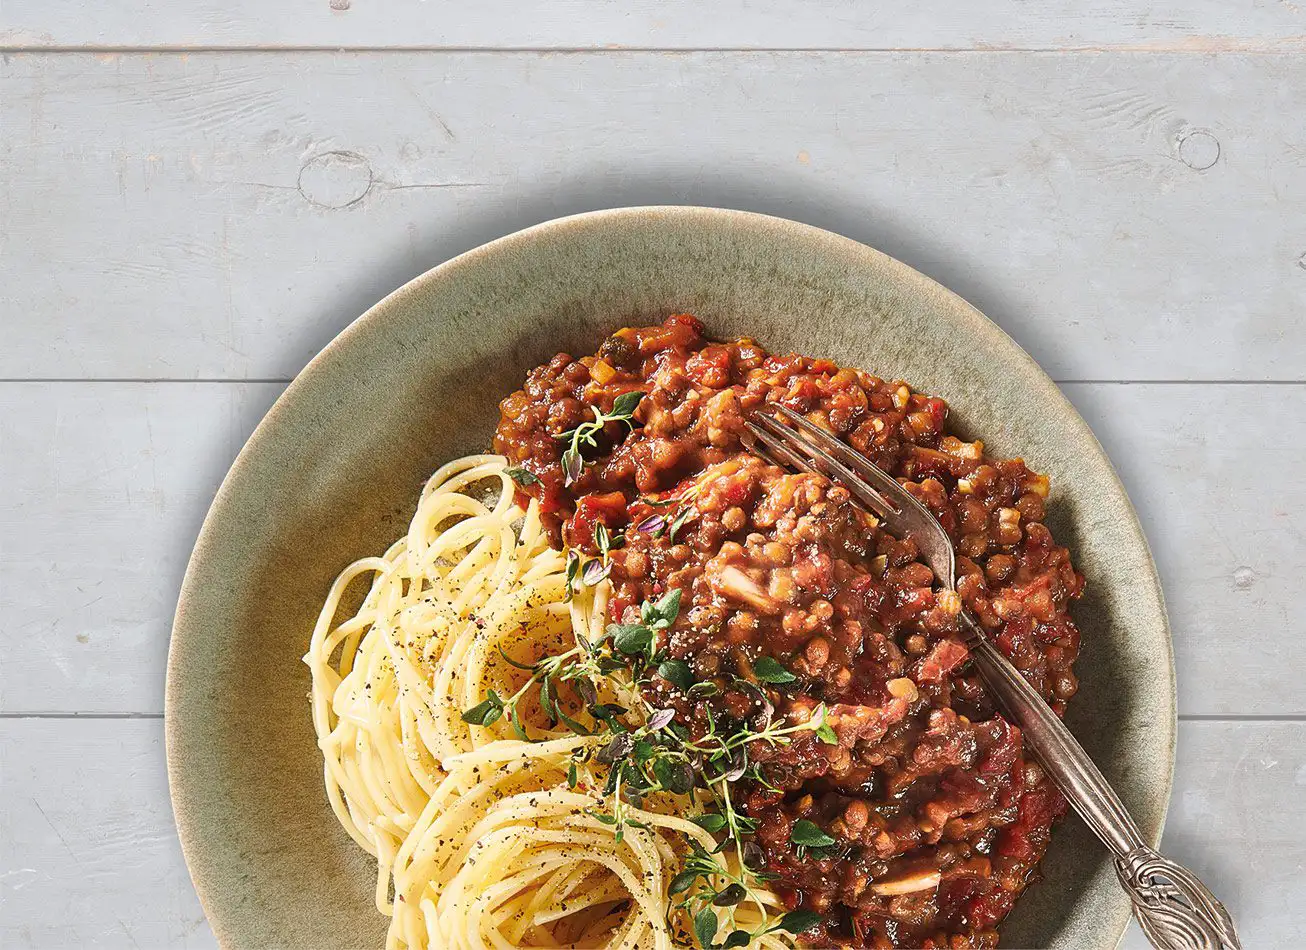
<point x="1174" y="908"/>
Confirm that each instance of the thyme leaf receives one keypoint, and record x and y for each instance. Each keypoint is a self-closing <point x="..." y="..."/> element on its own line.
<point x="768" y="670"/>
<point x="586" y="434"/>
<point x="809" y="835"/>
<point x="522" y="476"/>
<point x="486" y="712"/>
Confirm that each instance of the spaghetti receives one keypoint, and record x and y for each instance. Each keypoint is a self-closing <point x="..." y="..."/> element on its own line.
<point x="483" y="839"/>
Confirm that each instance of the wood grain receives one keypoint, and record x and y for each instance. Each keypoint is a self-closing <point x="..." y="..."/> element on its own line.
<point x="1201" y="25"/>
<point x="105" y="489"/>
<point x="90" y="853"/>
<point x="1236" y="819"/>
<point x="1212" y="471"/>
<point x="92" y="860"/>
<point x="223" y="215"/>
<point x="107" y="483"/>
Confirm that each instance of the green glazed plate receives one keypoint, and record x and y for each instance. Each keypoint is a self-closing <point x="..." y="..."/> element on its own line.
<point x="334" y="470"/>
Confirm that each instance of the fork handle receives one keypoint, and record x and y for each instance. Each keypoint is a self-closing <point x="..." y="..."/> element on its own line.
<point x="1175" y="910"/>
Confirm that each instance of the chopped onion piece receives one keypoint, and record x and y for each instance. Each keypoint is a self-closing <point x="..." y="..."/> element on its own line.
<point x="910" y="884"/>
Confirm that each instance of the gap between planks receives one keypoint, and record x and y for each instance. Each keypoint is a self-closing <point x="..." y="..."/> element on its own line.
<point x="1192" y="46"/>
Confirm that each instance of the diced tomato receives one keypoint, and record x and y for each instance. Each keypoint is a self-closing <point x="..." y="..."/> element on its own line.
<point x="938" y="410"/>
<point x="617" y="608"/>
<point x="710" y="367"/>
<point x="861" y="596"/>
<point x="828" y="367"/>
<point x="813" y="569"/>
<point x="987" y="911"/>
<point x="946" y="656"/>
<point x="956" y="893"/>
<point x="686" y="320"/>
<point x="1014" y="638"/>
<point x="801" y="395"/>
<point x="552" y="498"/>
<point x="1038" y="808"/>
<point x="1061" y="631"/>
<point x="1041" y="805"/>
<point x="1004" y="753"/>
<point x="914" y="600"/>
<point x="1013" y="842"/>
<point x="608" y="508"/>
<point x="736" y="492"/>
<point x="678" y="330"/>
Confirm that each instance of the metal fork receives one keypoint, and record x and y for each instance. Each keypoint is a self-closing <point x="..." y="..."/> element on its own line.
<point x="1175" y="910"/>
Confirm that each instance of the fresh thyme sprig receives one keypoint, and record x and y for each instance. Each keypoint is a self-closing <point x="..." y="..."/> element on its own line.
<point x="649" y="753"/>
<point x="586" y="434"/>
<point x="547" y="672"/>
<point x="595" y="570"/>
<point x="657" y="524"/>
<point x="701" y="872"/>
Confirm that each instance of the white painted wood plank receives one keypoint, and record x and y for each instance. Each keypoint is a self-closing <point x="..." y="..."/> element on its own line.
<point x="223" y="215"/>
<point x="105" y="485"/>
<point x="104" y="489"/>
<point x="1213" y="472"/>
<point x="1238" y="820"/>
<point x="91" y="856"/>
<point x="1200" y="25"/>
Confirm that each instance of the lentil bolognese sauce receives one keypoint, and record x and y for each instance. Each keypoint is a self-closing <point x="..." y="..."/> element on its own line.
<point x="922" y="819"/>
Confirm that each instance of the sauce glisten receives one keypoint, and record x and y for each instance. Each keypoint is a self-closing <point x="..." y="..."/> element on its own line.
<point x="939" y="818"/>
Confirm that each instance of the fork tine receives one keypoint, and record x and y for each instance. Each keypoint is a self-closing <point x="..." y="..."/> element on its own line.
<point x="862" y="466"/>
<point x="771" y="449"/>
<point x="776" y="451"/>
<point x="903" y="514"/>
<point x="831" y="466"/>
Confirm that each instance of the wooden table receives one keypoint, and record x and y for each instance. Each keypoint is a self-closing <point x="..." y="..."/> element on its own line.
<point x="197" y="196"/>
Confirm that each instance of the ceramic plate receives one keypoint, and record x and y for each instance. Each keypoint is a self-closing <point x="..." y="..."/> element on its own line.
<point x="334" y="470"/>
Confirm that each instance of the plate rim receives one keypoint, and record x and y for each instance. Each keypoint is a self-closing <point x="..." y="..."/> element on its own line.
<point x="901" y="274"/>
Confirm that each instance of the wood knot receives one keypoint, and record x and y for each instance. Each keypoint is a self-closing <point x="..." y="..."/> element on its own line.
<point x="1199" y="149"/>
<point x="335" y="179"/>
